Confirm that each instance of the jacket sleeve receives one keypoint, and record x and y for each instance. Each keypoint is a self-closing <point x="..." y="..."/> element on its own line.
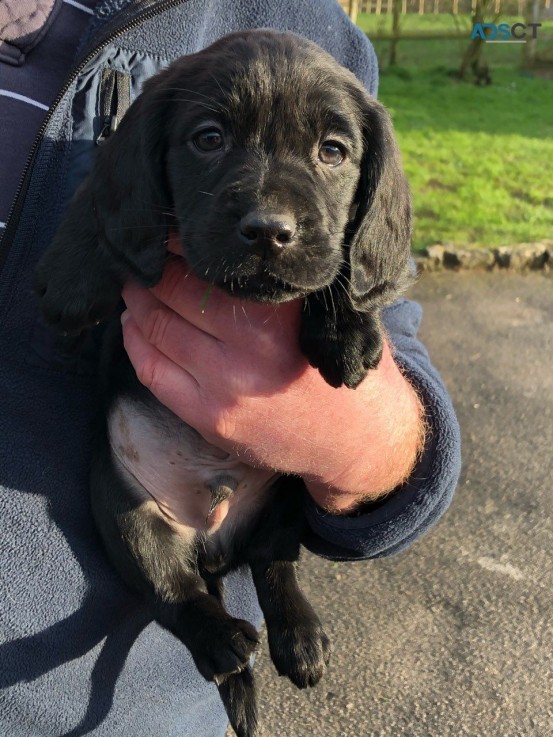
<point x="390" y="525"/>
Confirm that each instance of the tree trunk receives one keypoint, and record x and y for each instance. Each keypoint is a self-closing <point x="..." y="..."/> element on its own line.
<point x="472" y="54"/>
<point x="529" y="48"/>
<point x="474" y="49"/>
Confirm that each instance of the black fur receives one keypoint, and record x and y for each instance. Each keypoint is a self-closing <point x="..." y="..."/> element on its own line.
<point x="262" y="217"/>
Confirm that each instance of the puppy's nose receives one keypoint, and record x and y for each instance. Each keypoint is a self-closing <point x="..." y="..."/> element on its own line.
<point x="262" y="231"/>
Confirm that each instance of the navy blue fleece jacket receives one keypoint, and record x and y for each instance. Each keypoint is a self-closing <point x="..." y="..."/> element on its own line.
<point x="78" y="652"/>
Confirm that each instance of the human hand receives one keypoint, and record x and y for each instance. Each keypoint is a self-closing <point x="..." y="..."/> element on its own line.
<point x="233" y="371"/>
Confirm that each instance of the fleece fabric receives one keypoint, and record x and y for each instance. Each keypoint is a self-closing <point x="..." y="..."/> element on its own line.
<point x="79" y="654"/>
<point x="38" y="44"/>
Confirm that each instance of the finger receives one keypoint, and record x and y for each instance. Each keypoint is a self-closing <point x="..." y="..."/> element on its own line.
<point x="180" y="341"/>
<point x="172" y="385"/>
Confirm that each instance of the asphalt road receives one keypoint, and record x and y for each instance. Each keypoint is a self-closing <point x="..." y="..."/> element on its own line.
<point x="455" y="636"/>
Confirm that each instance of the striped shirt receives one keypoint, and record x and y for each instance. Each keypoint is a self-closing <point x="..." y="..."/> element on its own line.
<point x="30" y="81"/>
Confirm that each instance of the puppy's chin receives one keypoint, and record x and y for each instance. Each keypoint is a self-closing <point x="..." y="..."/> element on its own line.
<point x="247" y="276"/>
<point x="266" y="288"/>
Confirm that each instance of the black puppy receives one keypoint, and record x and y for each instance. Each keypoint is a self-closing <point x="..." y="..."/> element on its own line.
<point x="283" y="179"/>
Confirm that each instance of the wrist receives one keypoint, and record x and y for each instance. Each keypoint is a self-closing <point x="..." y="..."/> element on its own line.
<point x="384" y="441"/>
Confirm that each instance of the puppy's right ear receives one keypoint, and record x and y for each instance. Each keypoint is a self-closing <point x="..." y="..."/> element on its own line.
<point x="115" y="228"/>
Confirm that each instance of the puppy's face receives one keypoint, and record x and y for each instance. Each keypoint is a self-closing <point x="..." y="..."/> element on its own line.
<point x="264" y="144"/>
<point x="283" y="177"/>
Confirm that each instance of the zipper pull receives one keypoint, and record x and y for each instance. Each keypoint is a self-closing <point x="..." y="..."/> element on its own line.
<point x="109" y="127"/>
<point x="115" y="100"/>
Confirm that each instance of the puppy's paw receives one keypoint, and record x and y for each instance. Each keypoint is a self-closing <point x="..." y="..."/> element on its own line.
<point x="337" y="368"/>
<point x="237" y="693"/>
<point x="224" y="647"/>
<point x="372" y="352"/>
<point x="300" y="651"/>
<point x="341" y="359"/>
<point x="70" y="303"/>
<point x="342" y="343"/>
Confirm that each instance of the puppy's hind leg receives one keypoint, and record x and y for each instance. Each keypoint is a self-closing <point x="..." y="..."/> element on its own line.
<point x="237" y="693"/>
<point x="299" y="647"/>
<point x="160" y="564"/>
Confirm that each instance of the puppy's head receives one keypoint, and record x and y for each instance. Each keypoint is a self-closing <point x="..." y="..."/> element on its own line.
<point x="281" y="171"/>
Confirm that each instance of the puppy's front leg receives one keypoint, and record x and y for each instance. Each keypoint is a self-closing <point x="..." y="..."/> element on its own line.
<point x="341" y="342"/>
<point x="79" y="278"/>
<point x="73" y="280"/>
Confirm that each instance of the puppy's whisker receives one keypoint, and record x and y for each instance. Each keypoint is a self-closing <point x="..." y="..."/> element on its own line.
<point x="200" y="262"/>
<point x="158" y="214"/>
<point x="339" y="281"/>
<point x="161" y="226"/>
<point x="324" y="299"/>
<point x="214" y="78"/>
<point x="216" y="106"/>
<point x="147" y="207"/>
<point x="198" y="102"/>
<point x="200" y="191"/>
<point x="193" y="92"/>
<point x="272" y="315"/>
<point x="329" y="288"/>
<point x="246" y="315"/>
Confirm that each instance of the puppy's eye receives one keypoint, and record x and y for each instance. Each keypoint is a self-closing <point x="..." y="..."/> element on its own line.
<point x="332" y="153"/>
<point x="210" y="139"/>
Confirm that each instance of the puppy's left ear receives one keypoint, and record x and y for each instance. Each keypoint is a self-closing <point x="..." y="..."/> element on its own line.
<point x="115" y="228"/>
<point x="380" y="235"/>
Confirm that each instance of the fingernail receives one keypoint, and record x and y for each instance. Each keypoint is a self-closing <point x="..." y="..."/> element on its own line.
<point x="125" y="316"/>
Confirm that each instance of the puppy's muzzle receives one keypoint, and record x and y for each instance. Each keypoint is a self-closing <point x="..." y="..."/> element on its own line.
<point x="266" y="233"/>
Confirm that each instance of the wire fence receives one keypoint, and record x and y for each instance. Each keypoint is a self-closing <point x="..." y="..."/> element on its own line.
<point x="423" y="7"/>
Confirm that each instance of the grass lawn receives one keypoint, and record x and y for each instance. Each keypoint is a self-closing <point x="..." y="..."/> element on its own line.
<point x="479" y="159"/>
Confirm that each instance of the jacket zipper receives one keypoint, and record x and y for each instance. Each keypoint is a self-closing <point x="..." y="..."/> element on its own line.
<point x="115" y="101"/>
<point x="17" y="205"/>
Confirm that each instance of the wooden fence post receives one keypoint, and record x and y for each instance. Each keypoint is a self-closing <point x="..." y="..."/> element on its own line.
<point x="395" y="32"/>
<point x="353" y="10"/>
